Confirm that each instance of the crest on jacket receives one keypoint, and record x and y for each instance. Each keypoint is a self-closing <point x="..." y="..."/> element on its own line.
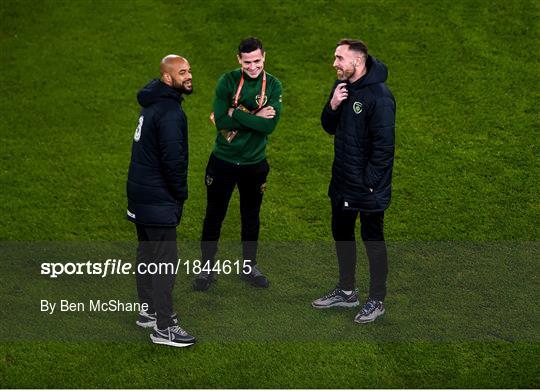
<point x="258" y="98"/>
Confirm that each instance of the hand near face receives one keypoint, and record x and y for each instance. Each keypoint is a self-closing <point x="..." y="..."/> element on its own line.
<point x="266" y="112"/>
<point x="340" y="94"/>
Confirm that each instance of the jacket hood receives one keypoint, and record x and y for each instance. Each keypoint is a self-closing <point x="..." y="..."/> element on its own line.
<point x="156" y="91"/>
<point x="377" y="73"/>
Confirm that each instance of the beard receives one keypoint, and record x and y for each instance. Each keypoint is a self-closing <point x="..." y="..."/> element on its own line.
<point x="185" y="91"/>
<point x="181" y="88"/>
<point x="345" y="74"/>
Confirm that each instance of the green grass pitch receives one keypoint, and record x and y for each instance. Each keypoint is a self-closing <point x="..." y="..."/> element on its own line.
<point x="463" y="227"/>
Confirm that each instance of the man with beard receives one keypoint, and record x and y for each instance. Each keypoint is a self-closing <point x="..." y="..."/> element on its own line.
<point x="156" y="191"/>
<point x="360" y="113"/>
<point x="247" y="107"/>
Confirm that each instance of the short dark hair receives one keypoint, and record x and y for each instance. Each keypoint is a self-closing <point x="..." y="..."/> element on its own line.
<point x="354" y="44"/>
<point x="249" y="45"/>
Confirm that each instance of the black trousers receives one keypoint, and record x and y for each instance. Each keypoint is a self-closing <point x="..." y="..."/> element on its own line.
<point x="157" y="245"/>
<point x="372" y="233"/>
<point x="221" y="179"/>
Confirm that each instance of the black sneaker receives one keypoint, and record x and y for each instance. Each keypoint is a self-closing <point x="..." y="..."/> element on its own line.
<point x="255" y="278"/>
<point x="173" y="336"/>
<point x="203" y="281"/>
<point x="371" y="310"/>
<point x="146" y="319"/>
<point x="337" y="298"/>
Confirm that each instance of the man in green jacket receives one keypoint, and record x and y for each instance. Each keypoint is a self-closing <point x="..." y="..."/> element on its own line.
<point x="246" y="107"/>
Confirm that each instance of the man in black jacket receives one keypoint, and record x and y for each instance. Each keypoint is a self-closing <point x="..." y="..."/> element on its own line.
<point x="156" y="191"/>
<point x="361" y="115"/>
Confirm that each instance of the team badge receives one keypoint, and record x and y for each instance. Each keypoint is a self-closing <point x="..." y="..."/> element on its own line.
<point x="358" y="107"/>
<point x="258" y="98"/>
<point x="209" y="180"/>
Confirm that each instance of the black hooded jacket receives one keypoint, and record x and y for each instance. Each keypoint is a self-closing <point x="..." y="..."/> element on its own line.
<point x="157" y="178"/>
<point x="363" y="126"/>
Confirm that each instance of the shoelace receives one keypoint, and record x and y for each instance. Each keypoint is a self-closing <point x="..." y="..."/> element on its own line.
<point x="255" y="272"/>
<point x="178" y="330"/>
<point x="369" y="307"/>
<point x="333" y="293"/>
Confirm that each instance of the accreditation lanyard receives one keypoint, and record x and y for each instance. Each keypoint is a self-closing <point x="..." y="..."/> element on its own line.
<point x="261" y="96"/>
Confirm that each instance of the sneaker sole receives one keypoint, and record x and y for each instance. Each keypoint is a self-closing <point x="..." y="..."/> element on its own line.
<point x="146" y="325"/>
<point x="161" y="341"/>
<point x="341" y="304"/>
<point x="368" y="320"/>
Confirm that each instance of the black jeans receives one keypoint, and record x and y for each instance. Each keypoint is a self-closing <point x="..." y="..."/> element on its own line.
<point x="157" y="245"/>
<point x="221" y="179"/>
<point x="372" y="232"/>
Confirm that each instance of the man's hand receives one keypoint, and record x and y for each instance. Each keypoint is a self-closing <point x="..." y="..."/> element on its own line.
<point x="266" y="112"/>
<point x="340" y="94"/>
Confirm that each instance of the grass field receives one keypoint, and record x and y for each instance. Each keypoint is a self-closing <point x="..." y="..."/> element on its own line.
<point x="463" y="227"/>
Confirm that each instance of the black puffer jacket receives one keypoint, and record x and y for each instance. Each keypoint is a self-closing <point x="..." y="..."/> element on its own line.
<point x="363" y="126"/>
<point x="157" y="178"/>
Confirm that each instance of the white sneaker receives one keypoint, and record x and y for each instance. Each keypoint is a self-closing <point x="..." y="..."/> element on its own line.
<point x="337" y="298"/>
<point x="371" y="310"/>
<point x="173" y="336"/>
<point x="146" y="320"/>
